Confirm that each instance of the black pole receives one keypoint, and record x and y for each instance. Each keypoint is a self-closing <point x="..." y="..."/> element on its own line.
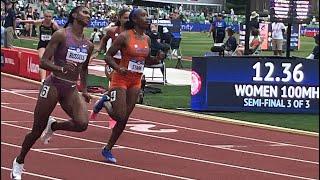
<point x="247" y="36"/>
<point x="288" y="40"/>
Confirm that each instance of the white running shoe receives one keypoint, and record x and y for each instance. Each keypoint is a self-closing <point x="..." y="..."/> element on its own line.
<point x="17" y="170"/>
<point x="47" y="133"/>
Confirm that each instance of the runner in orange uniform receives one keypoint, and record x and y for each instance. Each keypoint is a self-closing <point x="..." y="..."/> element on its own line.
<point x="125" y="85"/>
<point x="111" y="34"/>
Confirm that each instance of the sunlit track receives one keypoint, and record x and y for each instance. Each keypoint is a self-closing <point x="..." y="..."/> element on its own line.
<point x="186" y="152"/>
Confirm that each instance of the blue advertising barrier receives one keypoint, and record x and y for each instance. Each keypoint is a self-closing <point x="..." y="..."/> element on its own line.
<point x="189" y="27"/>
<point x="197" y="27"/>
<point x="98" y="23"/>
<point x="255" y="84"/>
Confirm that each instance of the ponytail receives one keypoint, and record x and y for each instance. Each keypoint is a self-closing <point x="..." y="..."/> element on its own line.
<point x="130" y="24"/>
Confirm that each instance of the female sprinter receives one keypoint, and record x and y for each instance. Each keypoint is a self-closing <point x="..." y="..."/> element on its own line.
<point x="46" y="29"/>
<point x="71" y="52"/>
<point x="125" y="85"/>
<point x="111" y="34"/>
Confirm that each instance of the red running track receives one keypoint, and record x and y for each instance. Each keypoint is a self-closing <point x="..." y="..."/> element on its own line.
<point x="155" y="145"/>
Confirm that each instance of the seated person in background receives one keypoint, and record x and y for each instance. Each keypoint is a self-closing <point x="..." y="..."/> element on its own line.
<point x="156" y="45"/>
<point x="254" y="43"/>
<point x="228" y="47"/>
<point x="231" y="43"/>
<point x="166" y="36"/>
<point x="95" y="36"/>
<point x="155" y="39"/>
<point x="315" y="52"/>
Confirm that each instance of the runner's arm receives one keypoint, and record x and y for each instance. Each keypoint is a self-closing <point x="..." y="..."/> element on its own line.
<point x="104" y="40"/>
<point x="117" y="45"/>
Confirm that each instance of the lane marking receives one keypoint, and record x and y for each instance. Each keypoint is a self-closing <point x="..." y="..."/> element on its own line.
<point x="180" y="141"/>
<point x="181" y="157"/>
<point x="204" y="131"/>
<point x="102" y="163"/>
<point x="200" y="116"/>
<point x="32" y="174"/>
<point x="75" y="148"/>
<point x="147" y="128"/>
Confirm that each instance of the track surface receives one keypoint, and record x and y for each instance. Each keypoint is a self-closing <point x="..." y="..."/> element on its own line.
<point x="155" y="145"/>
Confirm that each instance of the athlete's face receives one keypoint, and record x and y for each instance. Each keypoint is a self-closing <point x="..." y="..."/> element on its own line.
<point x="83" y="16"/>
<point x="124" y="18"/>
<point x="142" y="19"/>
<point x="47" y="17"/>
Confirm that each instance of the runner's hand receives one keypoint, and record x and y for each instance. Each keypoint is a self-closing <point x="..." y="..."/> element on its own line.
<point x="87" y="97"/>
<point x="69" y="67"/>
<point x="123" y="70"/>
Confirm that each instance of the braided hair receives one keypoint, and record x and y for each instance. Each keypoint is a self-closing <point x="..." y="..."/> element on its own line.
<point x="71" y="18"/>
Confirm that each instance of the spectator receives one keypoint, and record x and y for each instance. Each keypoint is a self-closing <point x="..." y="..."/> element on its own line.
<point x="315" y="52"/>
<point x="254" y="44"/>
<point x="28" y="26"/>
<point x="166" y="36"/>
<point x="278" y="30"/>
<point x="10" y="24"/>
<point x="156" y="44"/>
<point x="95" y="36"/>
<point x="218" y="29"/>
<point x="254" y="22"/>
<point x="231" y="44"/>
<point x="36" y="14"/>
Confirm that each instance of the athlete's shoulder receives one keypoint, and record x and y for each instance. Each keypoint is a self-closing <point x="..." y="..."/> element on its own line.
<point x="60" y="34"/>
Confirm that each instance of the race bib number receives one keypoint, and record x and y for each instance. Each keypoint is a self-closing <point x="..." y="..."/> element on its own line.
<point x="113" y="96"/>
<point x="45" y="37"/>
<point x="44" y="91"/>
<point x="78" y="55"/>
<point x="109" y="69"/>
<point x="136" y="66"/>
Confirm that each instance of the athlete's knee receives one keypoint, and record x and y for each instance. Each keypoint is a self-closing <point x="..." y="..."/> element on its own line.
<point x="81" y="126"/>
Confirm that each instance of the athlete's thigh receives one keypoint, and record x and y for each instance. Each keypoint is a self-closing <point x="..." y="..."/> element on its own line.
<point x="47" y="101"/>
<point x="118" y="98"/>
<point x="75" y="106"/>
<point x="132" y="97"/>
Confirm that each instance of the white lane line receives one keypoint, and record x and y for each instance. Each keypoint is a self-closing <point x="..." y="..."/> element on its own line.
<point x="102" y="163"/>
<point x="228" y="135"/>
<point x="177" y="156"/>
<point x="183" y="141"/>
<point x="32" y="174"/>
<point x="204" y="131"/>
<point x="75" y="148"/>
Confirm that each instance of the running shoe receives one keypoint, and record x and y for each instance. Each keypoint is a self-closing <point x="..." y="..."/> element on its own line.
<point x="98" y="106"/>
<point x="47" y="133"/>
<point x="17" y="170"/>
<point x="108" y="156"/>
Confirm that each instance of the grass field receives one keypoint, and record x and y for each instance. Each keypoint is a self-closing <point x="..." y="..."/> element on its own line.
<point x="178" y="97"/>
